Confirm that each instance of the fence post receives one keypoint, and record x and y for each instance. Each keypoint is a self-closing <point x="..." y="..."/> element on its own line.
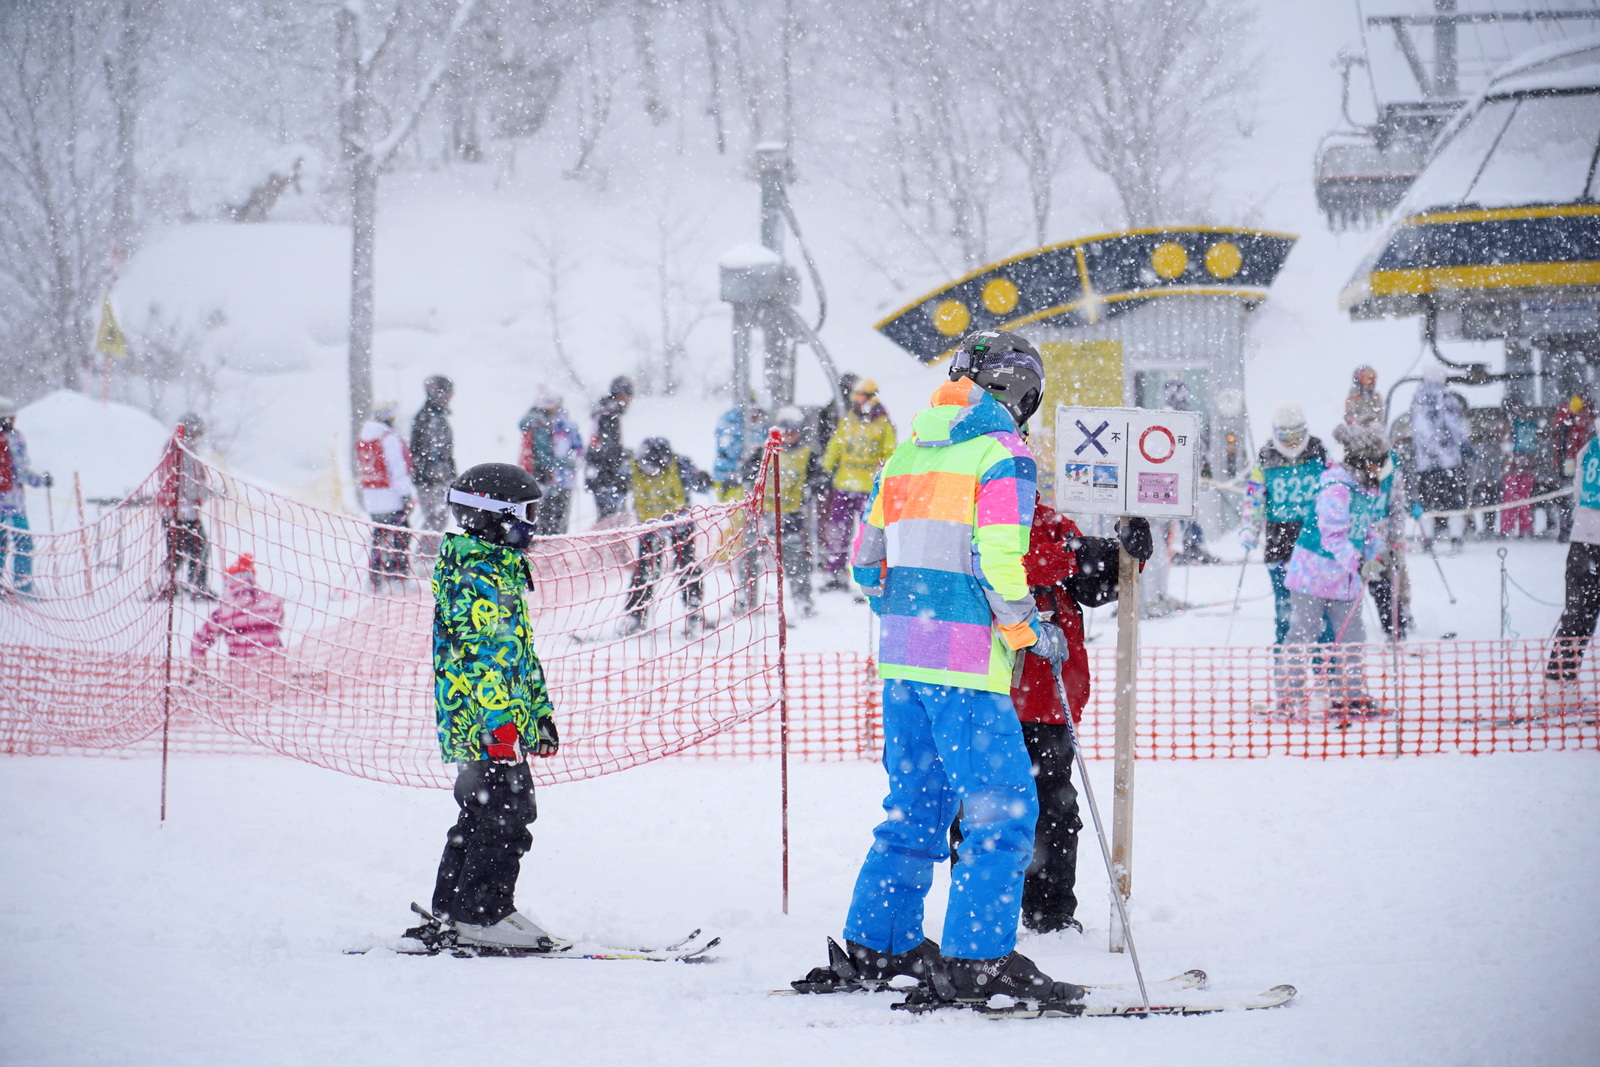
<point x="773" y="440"/>
<point x="172" y="607"/>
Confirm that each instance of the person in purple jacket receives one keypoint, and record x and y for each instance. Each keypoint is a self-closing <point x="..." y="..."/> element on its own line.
<point x="1334" y="556"/>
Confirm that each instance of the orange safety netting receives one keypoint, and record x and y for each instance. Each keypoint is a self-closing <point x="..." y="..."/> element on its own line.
<point x="104" y="658"/>
<point x="1471" y="697"/>
<point x="653" y="637"/>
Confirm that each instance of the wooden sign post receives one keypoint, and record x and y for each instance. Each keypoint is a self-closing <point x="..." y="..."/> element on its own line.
<point x="1126" y="462"/>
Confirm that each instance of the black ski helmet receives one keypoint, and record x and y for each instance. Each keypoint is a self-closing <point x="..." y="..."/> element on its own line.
<point x="437" y="386"/>
<point x="1004" y="365"/>
<point x="655" y="453"/>
<point x="621" y="386"/>
<point x="488" y="498"/>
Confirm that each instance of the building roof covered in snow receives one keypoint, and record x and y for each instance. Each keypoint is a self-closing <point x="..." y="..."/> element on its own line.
<point x="1506" y="202"/>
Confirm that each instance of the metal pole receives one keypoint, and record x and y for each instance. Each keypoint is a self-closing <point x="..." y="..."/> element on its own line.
<point x="172" y="607"/>
<point x="773" y="440"/>
<point x="1237" y="593"/>
<point x="1099" y="832"/>
<point x="1505" y="603"/>
<point x="1126" y="702"/>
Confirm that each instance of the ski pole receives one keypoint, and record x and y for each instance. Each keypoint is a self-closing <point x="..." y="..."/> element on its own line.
<point x="1099" y="831"/>
<point x="1427" y="542"/>
<point x="1243" y="563"/>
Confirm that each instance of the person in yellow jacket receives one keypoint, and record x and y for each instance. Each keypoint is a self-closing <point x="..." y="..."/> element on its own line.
<point x="661" y="483"/>
<point x="864" y="439"/>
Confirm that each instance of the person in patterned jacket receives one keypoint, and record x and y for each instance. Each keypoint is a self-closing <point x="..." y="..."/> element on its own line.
<point x="939" y="555"/>
<point x="492" y="705"/>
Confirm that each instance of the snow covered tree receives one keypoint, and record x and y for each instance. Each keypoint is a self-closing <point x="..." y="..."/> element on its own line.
<point x="1165" y="87"/>
<point x="61" y="161"/>
<point x="372" y="127"/>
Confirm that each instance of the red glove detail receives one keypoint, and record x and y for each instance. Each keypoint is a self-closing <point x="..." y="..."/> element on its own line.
<point x="503" y="743"/>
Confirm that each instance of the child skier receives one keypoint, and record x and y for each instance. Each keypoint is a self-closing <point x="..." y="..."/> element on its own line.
<point x="662" y="481"/>
<point x="387" y="493"/>
<point x="493" y="709"/>
<point x="1336" y="552"/>
<point x="249" y="619"/>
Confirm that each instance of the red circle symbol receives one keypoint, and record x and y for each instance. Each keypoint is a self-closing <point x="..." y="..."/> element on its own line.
<point x="1172" y="444"/>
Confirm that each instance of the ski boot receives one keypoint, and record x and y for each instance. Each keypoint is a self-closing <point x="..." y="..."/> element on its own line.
<point x="973" y="982"/>
<point x="1051" y="924"/>
<point x="857" y="967"/>
<point x="516" y="931"/>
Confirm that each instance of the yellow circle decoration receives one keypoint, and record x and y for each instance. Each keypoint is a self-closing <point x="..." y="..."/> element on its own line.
<point x="951" y="317"/>
<point x="1223" y="259"/>
<point x="1000" y="295"/>
<point x="1169" y="260"/>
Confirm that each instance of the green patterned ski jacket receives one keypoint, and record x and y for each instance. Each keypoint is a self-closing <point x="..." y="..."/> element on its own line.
<point x="485" y="671"/>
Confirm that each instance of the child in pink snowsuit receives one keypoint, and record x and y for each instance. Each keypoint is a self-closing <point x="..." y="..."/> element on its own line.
<point x="249" y="618"/>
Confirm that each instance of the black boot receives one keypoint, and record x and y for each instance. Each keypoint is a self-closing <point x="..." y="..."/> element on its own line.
<point x="1013" y="975"/>
<point x="857" y="967"/>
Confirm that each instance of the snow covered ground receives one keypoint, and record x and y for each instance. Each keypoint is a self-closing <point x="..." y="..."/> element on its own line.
<point x="1431" y="911"/>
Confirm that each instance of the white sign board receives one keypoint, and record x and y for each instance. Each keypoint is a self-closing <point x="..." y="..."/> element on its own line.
<point x="1127" y="461"/>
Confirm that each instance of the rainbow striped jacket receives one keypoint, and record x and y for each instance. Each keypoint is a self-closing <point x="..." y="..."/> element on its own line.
<point x="939" y="551"/>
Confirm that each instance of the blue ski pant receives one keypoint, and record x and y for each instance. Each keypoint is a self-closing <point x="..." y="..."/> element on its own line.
<point x="947" y="748"/>
<point x="18" y="542"/>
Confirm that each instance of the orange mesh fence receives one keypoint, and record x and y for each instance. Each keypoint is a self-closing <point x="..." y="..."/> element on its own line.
<point x="653" y="637"/>
<point x="1472" y="697"/>
<point x="657" y="640"/>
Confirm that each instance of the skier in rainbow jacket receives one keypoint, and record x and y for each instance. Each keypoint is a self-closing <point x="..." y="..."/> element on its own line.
<point x="493" y="711"/>
<point x="939" y="554"/>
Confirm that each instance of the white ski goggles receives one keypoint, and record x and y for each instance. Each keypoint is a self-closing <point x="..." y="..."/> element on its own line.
<point x="521" y="510"/>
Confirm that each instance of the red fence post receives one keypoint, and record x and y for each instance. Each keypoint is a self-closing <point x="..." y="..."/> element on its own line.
<point x="774" y="439"/>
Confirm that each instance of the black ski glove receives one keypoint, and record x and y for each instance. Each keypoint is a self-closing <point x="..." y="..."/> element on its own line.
<point x="1134" y="533"/>
<point x="546" y="743"/>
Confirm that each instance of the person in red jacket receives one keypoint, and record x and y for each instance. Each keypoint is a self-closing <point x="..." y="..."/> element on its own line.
<point x="1067" y="571"/>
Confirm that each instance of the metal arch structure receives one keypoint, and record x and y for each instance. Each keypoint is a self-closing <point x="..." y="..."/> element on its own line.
<point x="1087" y="281"/>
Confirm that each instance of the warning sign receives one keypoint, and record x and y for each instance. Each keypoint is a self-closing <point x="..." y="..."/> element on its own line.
<point x="1126" y="461"/>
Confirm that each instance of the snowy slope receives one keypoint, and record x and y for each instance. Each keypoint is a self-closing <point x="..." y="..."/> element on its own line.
<point x="1431" y="911"/>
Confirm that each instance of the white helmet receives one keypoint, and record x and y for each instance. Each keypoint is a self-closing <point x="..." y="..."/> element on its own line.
<point x="790" y="418"/>
<point x="386" y="410"/>
<point x="8" y="408"/>
<point x="1289" y="429"/>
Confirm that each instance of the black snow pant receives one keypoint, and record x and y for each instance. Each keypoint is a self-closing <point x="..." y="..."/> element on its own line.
<point x="187" y="548"/>
<point x="647" y="569"/>
<point x="1049" y="902"/>
<point x="1578" y="614"/>
<point x="1384" y="589"/>
<point x="390" y="554"/>
<point x="477" y="881"/>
